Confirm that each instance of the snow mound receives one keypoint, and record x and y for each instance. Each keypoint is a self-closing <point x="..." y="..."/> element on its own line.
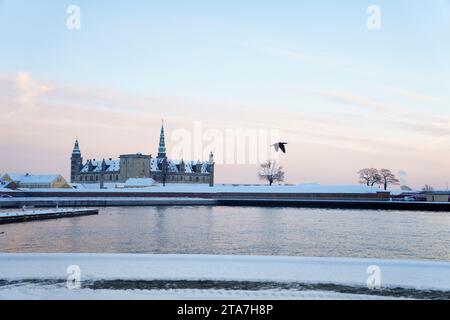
<point x="394" y="273"/>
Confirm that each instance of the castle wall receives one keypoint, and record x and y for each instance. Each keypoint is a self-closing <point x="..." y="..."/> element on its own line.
<point x="95" y="177"/>
<point x="119" y="177"/>
<point x="189" y="178"/>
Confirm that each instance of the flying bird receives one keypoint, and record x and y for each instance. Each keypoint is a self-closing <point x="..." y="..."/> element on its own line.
<point x="280" y="146"/>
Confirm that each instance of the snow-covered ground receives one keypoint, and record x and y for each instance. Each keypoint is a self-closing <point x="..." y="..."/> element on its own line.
<point x="196" y="188"/>
<point x="43" y="276"/>
<point x="34" y="292"/>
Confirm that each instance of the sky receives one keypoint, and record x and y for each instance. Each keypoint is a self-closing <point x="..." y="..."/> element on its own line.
<point x="342" y="95"/>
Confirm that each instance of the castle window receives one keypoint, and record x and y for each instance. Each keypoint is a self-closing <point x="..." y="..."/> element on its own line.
<point x="117" y="177"/>
<point x="110" y="177"/>
<point x="96" y="178"/>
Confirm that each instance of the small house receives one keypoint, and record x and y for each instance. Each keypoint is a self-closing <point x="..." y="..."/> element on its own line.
<point x="31" y="181"/>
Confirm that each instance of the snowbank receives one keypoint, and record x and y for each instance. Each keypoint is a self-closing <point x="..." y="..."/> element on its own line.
<point x="188" y="188"/>
<point x="405" y="274"/>
<point x="62" y="293"/>
<point x="139" y="183"/>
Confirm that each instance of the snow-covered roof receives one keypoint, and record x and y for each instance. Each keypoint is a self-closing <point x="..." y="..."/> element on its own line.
<point x="155" y="166"/>
<point x="174" y="166"/>
<point x="111" y="166"/>
<point x="13" y="176"/>
<point x="34" y="179"/>
<point x="190" y="166"/>
<point x="177" y="162"/>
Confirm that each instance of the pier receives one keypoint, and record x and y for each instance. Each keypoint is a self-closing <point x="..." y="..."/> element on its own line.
<point x="32" y="215"/>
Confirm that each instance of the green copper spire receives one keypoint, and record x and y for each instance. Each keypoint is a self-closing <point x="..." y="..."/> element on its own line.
<point x="76" y="148"/>
<point x="162" y="143"/>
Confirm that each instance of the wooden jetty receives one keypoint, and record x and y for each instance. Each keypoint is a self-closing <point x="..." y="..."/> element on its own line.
<point x="33" y="215"/>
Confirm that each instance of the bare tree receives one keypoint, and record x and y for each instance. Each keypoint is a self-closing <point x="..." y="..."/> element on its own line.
<point x="369" y="176"/>
<point x="427" y="188"/>
<point x="387" y="178"/>
<point x="271" y="171"/>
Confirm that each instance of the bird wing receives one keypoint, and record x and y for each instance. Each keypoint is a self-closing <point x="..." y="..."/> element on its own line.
<point x="283" y="147"/>
<point x="276" y="146"/>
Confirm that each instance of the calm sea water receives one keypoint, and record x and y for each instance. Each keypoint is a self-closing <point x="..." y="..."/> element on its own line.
<point x="246" y="231"/>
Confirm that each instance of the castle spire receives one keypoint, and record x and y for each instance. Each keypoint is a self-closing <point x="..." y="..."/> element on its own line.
<point x="162" y="143"/>
<point x="76" y="148"/>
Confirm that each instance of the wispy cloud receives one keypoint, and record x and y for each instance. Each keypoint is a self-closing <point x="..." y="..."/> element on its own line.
<point x="285" y="52"/>
<point x="394" y="115"/>
<point x="29" y="89"/>
<point x="357" y="100"/>
<point x="415" y="96"/>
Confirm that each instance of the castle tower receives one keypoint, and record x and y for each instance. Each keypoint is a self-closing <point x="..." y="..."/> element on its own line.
<point x="76" y="162"/>
<point x="162" y="144"/>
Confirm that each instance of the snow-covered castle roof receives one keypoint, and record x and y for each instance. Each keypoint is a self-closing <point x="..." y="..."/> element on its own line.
<point x="96" y="166"/>
<point x="174" y="166"/>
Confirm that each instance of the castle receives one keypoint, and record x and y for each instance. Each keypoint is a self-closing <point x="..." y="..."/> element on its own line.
<point x="161" y="169"/>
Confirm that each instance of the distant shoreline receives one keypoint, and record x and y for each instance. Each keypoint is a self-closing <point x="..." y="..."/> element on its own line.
<point x="365" y="201"/>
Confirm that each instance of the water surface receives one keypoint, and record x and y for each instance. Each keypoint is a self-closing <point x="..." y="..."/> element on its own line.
<point x="243" y="231"/>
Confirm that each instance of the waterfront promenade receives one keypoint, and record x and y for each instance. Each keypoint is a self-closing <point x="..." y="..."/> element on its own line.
<point x="304" y="196"/>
